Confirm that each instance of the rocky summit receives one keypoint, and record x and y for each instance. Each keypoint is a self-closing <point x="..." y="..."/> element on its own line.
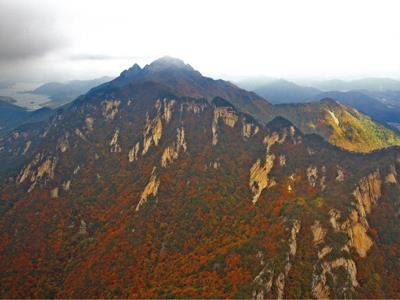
<point x="166" y="184"/>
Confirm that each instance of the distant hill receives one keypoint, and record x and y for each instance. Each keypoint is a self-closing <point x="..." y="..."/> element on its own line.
<point x="372" y="84"/>
<point x="8" y="99"/>
<point x="12" y="116"/>
<point x="371" y="106"/>
<point x="283" y="91"/>
<point x="391" y="98"/>
<point x="62" y="93"/>
<point x="341" y="125"/>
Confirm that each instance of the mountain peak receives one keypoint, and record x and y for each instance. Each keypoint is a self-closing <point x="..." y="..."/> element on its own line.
<point x="168" y="62"/>
<point x="132" y="71"/>
<point x="329" y="101"/>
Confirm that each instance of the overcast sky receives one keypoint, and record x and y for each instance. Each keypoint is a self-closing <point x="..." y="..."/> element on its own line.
<point x="45" y="40"/>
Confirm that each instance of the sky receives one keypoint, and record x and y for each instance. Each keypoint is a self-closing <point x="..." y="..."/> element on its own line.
<point x="46" y="40"/>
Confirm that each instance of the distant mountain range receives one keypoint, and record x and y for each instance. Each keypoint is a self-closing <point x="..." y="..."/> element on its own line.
<point x="371" y="84"/>
<point x="283" y="91"/>
<point x="63" y="93"/>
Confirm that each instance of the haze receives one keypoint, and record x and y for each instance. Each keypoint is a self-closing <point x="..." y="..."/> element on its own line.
<point x="63" y="40"/>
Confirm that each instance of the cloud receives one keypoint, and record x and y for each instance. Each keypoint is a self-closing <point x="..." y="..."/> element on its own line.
<point x="97" y="56"/>
<point x="67" y="39"/>
<point x="27" y="31"/>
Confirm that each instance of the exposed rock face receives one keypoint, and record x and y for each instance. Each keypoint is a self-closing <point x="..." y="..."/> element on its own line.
<point x="110" y="109"/>
<point x="54" y="193"/>
<point x="168" y="106"/>
<point x="310" y="151"/>
<point x="259" y="176"/>
<point x="359" y="239"/>
<point x="368" y="192"/>
<point x="152" y="133"/>
<point x="259" y="172"/>
<point x="67" y="185"/>
<point x="324" y="251"/>
<point x="328" y="266"/>
<point x="134" y="152"/>
<point x="76" y="170"/>
<point x="281" y="279"/>
<point x="27" y="146"/>
<point x="263" y="283"/>
<point x="171" y="152"/>
<point x="63" y="144"/>
<point x="249" y="129"/>
<point x="312" y="175"/>
<point x="340" y="175"/>
<point x="115" y="147"/>
<point x="89" y="121"/>
<point x="282" y="160"/>
<point x="319" y="285"/>
<point x="40" y="167"/>
<point x="83" y="228"/>
<point x="333" y="116"/>
<point x="195" y="108"/>
<point x="228" y="115"/>
<point x="266" y="279"/>
<point x="154" y="127"/>
<point x="391" y="177"/>
<point x="355" y="226"/>
<point x="318" y="233"/>
<point x="151" y="189"/>
<point x="274" y="138"/>
<point x="79" y="133"/>
<point x="334" y="216"/>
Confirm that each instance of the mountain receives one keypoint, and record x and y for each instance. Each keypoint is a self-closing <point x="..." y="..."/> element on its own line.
<point x="13" y="116"/>
<point x="283" y="91"/>
<point x="356" y="131"/>
<point x="10" y="115"/>
<point x="371" y="84"/>
<point x="389" y="97"/>
<point x="373" y="107"/>
<point x="156" y="185"/>
<point x="7" y="99"/>
<point x="63" y="93"/>
<point x="341" y="125"/>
